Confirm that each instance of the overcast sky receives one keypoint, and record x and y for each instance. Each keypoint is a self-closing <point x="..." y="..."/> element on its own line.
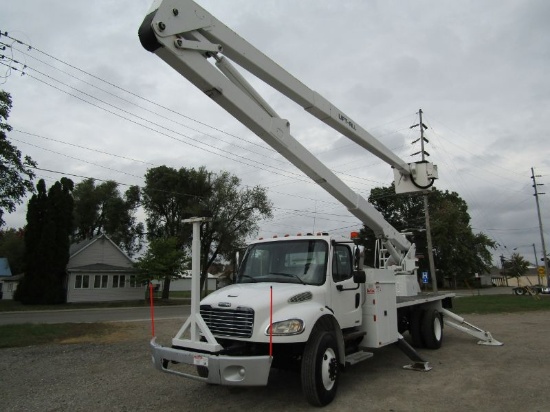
<point x="94" y="103"/>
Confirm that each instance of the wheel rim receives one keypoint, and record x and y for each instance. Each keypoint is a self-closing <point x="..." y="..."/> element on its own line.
<point x="438" y="330"/>
<point x="329" y="369"/>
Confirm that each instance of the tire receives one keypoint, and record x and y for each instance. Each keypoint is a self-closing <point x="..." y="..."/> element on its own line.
<point x="415" y="328"/>
<point x="519" y="291"/>
<point x="432" y="329"/>
<point x="320" y="368"/>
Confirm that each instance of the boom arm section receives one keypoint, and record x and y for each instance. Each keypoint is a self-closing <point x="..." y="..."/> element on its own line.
<point x="185" y="36"/>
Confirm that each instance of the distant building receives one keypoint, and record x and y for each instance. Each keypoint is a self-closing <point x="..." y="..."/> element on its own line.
<point x="99" y="271"/>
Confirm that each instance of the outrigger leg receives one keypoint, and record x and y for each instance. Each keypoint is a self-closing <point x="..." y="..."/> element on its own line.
<point x="419" y="363"/>
<point x="485" y="336"/>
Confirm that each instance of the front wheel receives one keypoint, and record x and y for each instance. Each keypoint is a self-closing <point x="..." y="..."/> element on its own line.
<point x="519" y="291"/>
<point x="320" y="368"/>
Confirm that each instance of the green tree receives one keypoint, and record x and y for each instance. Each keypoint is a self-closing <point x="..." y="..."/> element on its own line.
<point x="47" y="240"/>
<point x="162" y="261"/>
<point x="516" y="266"/>
<point x="458" y="252"/>
<point x="235" y="213"/>
<point x="12" y="246"/>
<point x="16" y="174"/>
<point x="101" y="209"/>
<point x="405" y="213"/>
<point x="169" y="197"/>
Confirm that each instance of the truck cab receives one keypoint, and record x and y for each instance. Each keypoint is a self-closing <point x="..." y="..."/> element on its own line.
<point x="292" y="281"/>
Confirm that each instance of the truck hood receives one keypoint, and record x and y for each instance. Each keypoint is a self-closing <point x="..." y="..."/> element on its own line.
<point x="259" y="294"/>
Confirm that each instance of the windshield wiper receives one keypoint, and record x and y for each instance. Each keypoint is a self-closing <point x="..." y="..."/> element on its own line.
<point x="249" y="277"/>
<point x="289" y="275"/>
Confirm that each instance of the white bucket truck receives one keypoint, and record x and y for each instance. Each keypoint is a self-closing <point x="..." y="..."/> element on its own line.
<point x="303" y="301"/>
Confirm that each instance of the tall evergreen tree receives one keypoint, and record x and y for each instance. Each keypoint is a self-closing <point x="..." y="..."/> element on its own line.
<point x="47" y="241"/>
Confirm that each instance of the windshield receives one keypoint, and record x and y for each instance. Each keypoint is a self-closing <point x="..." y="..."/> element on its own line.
<point x="295" y="261"/>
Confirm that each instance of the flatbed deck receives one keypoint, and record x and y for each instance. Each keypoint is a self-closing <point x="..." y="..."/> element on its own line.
<point x="423" y="297"/>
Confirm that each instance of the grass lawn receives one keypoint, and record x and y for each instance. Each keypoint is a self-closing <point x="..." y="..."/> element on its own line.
<point x="500" y="304"/>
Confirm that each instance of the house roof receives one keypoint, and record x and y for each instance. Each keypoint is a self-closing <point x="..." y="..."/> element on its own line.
<point x="4" y="267"/>
<point x="77" y="248"/>
<point x="101" y="267"/>
<point x="13" y="278"/>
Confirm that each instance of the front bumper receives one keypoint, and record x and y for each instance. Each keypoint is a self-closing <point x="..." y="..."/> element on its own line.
<point x="222" y="370"/>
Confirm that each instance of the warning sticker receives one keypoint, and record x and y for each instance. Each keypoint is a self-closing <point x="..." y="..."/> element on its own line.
<point x="200" y="360"/>
<point x="370" y="290"/>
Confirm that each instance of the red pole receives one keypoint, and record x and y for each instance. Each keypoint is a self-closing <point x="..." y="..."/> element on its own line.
<point x="152" y="308"/>
<point x="271" y="321"/>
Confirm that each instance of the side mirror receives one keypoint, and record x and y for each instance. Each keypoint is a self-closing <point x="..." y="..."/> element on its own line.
<point x="359" y="276"/>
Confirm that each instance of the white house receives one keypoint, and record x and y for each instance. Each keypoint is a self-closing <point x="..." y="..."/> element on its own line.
<point x="98" y="270"/>
<point x="8" y="283"/>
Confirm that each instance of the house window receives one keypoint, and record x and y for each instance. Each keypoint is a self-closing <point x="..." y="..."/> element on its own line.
<point x="100" y="281"/>
<point x="82" y="282"/>
<point x="119" y="281"/>
<point x="133" y="281"/>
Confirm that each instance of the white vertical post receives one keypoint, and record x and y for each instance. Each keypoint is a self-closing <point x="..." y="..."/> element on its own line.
<point x="195" y="275"/>
<point x="195" y="322"/>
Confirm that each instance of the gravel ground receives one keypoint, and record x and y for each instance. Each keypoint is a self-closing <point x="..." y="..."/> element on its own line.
<point x="116" y="374"/>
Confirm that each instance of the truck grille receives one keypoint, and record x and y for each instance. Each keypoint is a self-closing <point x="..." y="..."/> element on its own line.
<point x="237" y="322"/>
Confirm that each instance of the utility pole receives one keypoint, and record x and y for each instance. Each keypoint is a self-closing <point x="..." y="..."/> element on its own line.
<point x="535" y="184"/>
<point x="426" y="206"/>
<point x="539" y="277"/>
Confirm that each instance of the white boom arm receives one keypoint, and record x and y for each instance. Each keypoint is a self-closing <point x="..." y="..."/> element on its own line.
<point x="185" y="36"/>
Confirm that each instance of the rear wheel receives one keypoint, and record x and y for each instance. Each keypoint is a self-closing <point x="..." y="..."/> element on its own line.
<point x="414" y="328"/>
<point x="320" y="368"/>
<point x="519" y="291"/>
<point x="432" y="329"/>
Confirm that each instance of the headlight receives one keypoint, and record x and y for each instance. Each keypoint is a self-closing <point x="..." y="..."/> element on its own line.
<point x="286" y="327"/>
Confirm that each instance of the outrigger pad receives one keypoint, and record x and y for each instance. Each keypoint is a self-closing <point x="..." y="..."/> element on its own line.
<point x="419" y="366"/>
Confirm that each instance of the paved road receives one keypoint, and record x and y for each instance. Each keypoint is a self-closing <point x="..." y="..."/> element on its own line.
<point x="94" y="315"/>
<point x="143" y="313"/>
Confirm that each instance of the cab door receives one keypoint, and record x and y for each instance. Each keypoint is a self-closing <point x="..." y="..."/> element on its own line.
<point x="346" y="297"/>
